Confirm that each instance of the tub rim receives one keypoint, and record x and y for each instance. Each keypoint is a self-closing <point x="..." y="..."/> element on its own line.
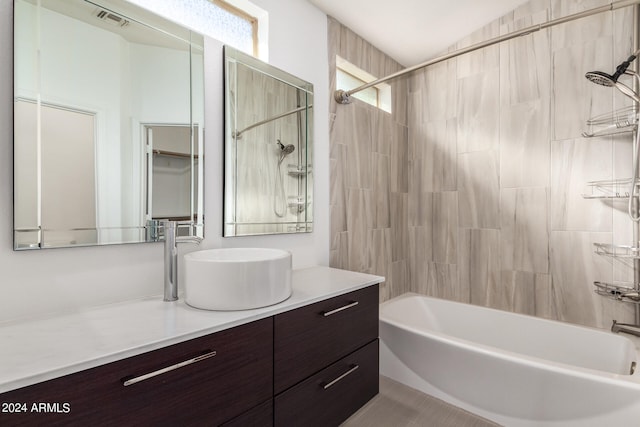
<point x="631" y="381"/>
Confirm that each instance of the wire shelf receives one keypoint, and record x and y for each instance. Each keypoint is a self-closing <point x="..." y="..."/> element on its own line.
<point x="619" y="291"/>
<point x="619" y="121"/>
<point x="608" y="189"/>
<point x="297" y="203"/>
<point x="617" y="251"/>
<point x="298" y="170"/>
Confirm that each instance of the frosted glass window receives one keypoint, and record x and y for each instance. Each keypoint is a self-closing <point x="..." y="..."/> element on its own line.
<point x="346" y="81"/>
<point x="237" y="28"/>
<point x="348" y="77"/>
<point x="234" y="25"/>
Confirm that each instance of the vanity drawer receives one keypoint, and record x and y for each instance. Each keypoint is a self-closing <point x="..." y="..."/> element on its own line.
<point x="260" y="416"/>
<point x="310" y="338"/>
<point x="206" y="392"/>
<point x="333" y="394"/>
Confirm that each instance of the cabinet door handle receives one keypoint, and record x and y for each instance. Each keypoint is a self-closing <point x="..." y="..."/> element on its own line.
<point x="329" y="384"/>
<point x="135" y="380"/>
<point x="337" y="310"/>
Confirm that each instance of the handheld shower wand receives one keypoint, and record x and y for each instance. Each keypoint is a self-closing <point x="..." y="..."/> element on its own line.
<point x="604" y="79"/>
<point x="279" y="210"/>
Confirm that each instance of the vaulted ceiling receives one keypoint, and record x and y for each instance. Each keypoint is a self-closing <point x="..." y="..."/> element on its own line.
<point x="412" y="31"/>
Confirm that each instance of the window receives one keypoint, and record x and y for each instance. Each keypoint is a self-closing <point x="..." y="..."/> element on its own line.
<point x="238" y="23"/>
<point x="240" y="29"/>
<point x="348" y="77"/>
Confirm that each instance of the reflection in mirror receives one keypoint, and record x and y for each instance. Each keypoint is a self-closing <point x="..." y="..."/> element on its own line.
<point x="169" y="177"/>
<point x="108" y="114"/>
<point x="268" y="149"/>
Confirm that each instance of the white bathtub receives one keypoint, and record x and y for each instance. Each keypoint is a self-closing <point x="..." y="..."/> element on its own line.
<point x="513" y="369"/>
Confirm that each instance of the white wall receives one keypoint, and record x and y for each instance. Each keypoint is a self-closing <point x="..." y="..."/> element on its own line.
<point x="37" y="282"/>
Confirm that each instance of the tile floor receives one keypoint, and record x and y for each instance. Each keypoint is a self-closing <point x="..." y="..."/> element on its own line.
<point x="400" y="406"/>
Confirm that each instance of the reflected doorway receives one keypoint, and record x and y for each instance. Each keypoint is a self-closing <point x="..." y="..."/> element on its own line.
<point x="172" y="171"/>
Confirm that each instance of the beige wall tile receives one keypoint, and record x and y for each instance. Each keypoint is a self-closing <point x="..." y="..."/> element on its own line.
<point x="369" y="180"/>
<point x="445" y="234"/>
<point x="439" y="148"/>
<point x="443" y="281"/>
<point x="525" y="158"/>
<point x="474" y="182"/>
<point x="478" y="190"/>
<point x="573" y="164"/>
<point x="381" y="190"/>
<point x="524" y="229"/>
<point x="399" y="226"/>
<point x="478" y="103"/>
<point x="479" y="263"/>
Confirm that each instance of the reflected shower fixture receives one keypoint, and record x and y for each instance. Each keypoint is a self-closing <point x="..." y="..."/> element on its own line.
<point x="280" y="208"/>
<point x="285" y="150"/>
<point x="238" y="134"/>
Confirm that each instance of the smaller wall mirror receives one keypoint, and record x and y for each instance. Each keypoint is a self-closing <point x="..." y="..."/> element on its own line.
<point x="268" y="186"/>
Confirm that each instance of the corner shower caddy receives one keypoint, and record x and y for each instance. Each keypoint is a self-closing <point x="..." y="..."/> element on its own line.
<point x="608" y="189"/>
<point x="624" y="120"/>
<point x="619" y="291"/>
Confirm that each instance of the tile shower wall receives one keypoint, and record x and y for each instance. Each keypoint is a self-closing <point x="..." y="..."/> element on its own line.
<point x="369" y="198"/>
<point x="497" y="165"/>
<point x="257" y="194"/>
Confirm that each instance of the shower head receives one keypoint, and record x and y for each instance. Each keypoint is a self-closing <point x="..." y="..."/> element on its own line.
<point x="600" y="78"/>
<point x="604" y="79"/>
<point x="285" y="150"/>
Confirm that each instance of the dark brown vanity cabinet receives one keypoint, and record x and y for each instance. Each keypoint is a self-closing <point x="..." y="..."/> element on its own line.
<point x="332" y="395"/>
<point x="315" y="365"/>
<point x="204" y="381"/>
<point x="326" y="359"/>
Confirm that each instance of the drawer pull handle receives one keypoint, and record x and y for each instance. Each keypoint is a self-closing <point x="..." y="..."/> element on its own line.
<point x="135" y="380"/>
<point x="337" y="310"/>
<point x="352" y="369"/>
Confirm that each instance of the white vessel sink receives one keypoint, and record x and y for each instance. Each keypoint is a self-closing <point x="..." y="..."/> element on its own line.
<point x="236" y="278"/>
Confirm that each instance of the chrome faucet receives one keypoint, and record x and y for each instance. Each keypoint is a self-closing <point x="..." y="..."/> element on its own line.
<point x="626" y="328"/>
<point x="171" y="240"/>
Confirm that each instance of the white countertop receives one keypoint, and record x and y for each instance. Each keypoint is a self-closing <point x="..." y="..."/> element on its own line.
<point x="50" y="347"/>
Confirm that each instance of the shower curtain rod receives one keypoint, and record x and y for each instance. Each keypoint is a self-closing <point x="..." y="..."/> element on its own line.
<point x="238" y="134"/>
<point x="344" y="96"/>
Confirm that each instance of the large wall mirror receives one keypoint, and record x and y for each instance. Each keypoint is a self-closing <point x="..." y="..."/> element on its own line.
<point x="268" y="186"/>
<point x="108" y="124"/>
